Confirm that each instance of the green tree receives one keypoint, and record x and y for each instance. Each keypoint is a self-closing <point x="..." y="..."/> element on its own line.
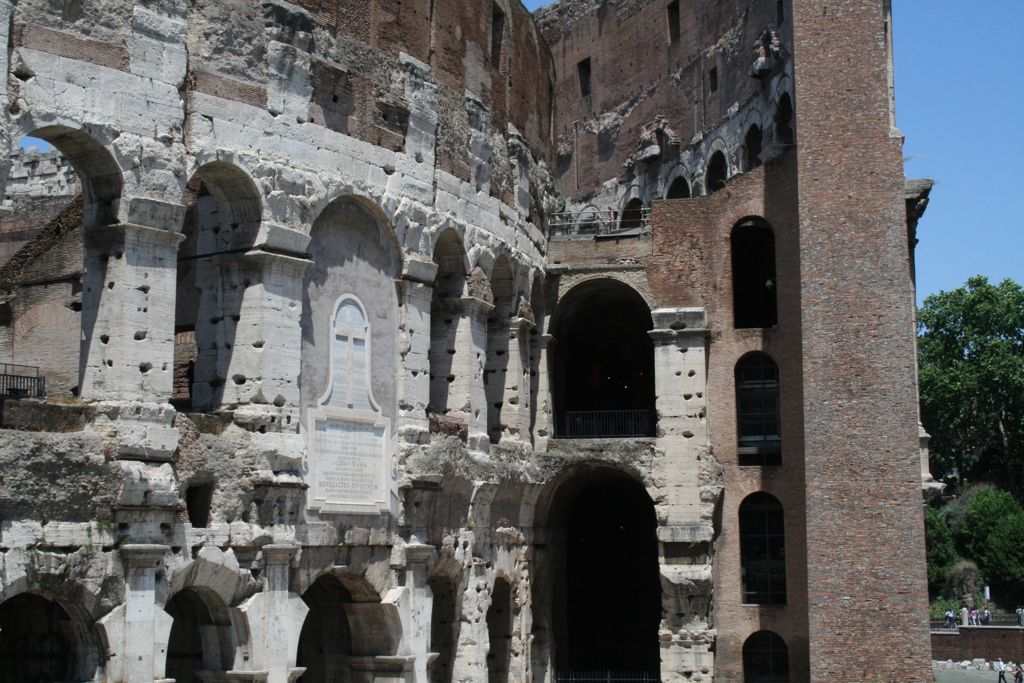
<point x="941" y="550"/>
<point x="971" y="343"/>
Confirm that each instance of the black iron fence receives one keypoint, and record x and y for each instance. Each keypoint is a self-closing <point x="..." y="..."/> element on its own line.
<point x="597" y="424"/>
<point x="591" y="223"/>
<point x="21" y="381"/>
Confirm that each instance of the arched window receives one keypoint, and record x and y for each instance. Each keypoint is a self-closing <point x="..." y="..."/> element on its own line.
<point x="752" y="148"/>
<point x="679" y="189"/>
<point x="762" y="550"/>
<point x="201" y="635"/>
<point x="753" y="275"/>
<point x="757" y="411"/>
<point x="765" y="658"/>
<point x="714" y="179"/>
<point x="499" y="632"/>
<point x="784" y="121"/>
<point x="632" y="215"/>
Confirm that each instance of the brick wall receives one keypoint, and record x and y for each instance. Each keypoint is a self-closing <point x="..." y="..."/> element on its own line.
<point x="985" y="642"/>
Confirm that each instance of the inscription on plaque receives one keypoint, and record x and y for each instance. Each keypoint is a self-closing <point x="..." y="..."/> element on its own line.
<point x="350" y="463"/>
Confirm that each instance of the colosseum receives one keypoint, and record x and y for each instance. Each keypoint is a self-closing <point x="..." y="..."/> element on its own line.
<point x="435" y="340"/>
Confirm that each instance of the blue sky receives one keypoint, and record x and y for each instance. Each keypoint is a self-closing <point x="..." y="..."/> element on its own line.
<point x="960" y="102"/>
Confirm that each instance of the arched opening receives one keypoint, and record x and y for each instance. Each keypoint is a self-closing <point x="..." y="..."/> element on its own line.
<point x="200" y="639"/>
<point x="784" y="120"/>
<point x="762" y="550"/>
<point x="752" y="148"/>
<point x="757" y="410"/>
<point x="40" y="641"/>
<point x="445" y="316"/>
<point x="222" y="219"/>
<point x="499" y="632"/>
<point x="633" y="215"/>
<point x="679" y="189"/>
<point x="765" y="658"/>
<point x="325" y="642"/>
<point x="444" y="628"/>
<point x="717" y="172"/>
<point x="606" y="611"/>
<point x="603" y="363"/>
<point x="498" y="349"/>
<point x="754" y="282"/>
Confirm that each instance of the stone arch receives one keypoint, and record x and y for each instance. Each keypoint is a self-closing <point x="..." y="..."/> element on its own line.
<point x="223" y="214"/>
<point x="446" y="318"/>
<point x="765" y="658"/>
<point x="716" y="171"/>
<point x="499" y="618"/>
<point x="679" y="178"/>
<point x="753" y="143"/>
<point x="598" y="506"/>
<point x="632" y="214"/>
<point x="602" y="368"/>
<point x="44" y="634"/>
<point x="784" y="119"/>
<point x="445" y="623"/>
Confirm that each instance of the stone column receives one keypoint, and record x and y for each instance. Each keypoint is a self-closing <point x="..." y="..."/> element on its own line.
<point x="466" y="395"/>
<point x="515" y="414"/>
<point x="694" y="483"/>
<point x="275" y="618"/>
<point x="138" y="630"/>
<point x="414" y="349"/>
<point x="543" y="420"/>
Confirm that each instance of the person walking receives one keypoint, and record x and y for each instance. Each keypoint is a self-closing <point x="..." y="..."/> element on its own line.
<point x="1018" y="673"/>
<point x="1001" y="668"/>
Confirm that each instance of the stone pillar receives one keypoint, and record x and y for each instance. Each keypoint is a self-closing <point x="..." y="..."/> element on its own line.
<point x="414" y="350"/>
<point x="466" y="393"/>
<point x="680" y="357"/>
<point x="275" y="618"/>
<point x="542" y="410"/>
<point x="137" y="631"/>
<point x="515" y="414"/>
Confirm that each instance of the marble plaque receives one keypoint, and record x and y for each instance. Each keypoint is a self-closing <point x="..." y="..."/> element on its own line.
<point x="350" y="462"/>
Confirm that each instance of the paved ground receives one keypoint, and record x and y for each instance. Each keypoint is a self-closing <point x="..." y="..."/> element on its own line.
<point x="958" y="676"/>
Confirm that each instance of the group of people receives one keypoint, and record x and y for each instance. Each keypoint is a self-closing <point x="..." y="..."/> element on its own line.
<point x="976" y="617"/>
<point x="1018" y="672"/>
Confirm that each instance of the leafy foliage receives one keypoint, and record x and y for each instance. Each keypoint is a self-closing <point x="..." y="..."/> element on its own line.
<point x="971" y="343"/>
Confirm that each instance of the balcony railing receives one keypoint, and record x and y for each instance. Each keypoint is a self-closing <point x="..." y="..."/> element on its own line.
<point x="608" y="677"/>
<point x="603" y="424"/>
<point x="21" y="381"/>
<point x="592" y="223"/>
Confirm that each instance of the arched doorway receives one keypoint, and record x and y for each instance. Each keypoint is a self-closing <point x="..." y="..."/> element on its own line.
<point x="39" y="641"/>
<point x="325" y="643"/>
<point x="717" y="172"/>
<point x="632" y="215"/>
<point x="603" y="363"/>
<point x="200" y="639"/>
<point x="606" y="602"/>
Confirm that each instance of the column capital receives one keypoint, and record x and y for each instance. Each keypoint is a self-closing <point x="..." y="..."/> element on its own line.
<point x="279" y="553"/>
<point x="144" y="555"/>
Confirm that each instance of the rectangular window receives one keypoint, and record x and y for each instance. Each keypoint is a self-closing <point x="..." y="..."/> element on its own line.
<point x="673" y="21"/>
<point x="583" y="69"/>
<point x="497" y="35"/>
<point x="713" y="79"/>
<point x="780" y="12"/>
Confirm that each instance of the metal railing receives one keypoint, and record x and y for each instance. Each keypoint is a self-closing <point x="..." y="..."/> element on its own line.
<point x="593" y="223"/>
<point x="596" y="424"/>
<point x="608" y="677"/>
<point x="21" y="381"/>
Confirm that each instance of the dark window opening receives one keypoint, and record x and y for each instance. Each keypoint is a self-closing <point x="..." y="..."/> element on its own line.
<point x="713" y="79"/>
<point x="198" y="498"/>
<point x="499" y="633"/>
<point x="200" y="638"/>
<point x="784" y="120"/>
<point x="716" y="173"/>
<point x="35" y="641"/>
<point x="444" y="629"/>
<point x="673" y="21"/>
<point x="602" y="367"/>
<point x="632" y="215"/>
<point x="325" y="642"/>
<point x="780" y="12"/>
<point x="604" y="639"/>
<point x="757" y="410"/>
<point x="679" y="189"/>
<point x="753" y="276"/>
<point x="752" y="147"/>
<point x="583" y="70"/>
<point x="765" y="658"/>
<point x="762" y="550"/>
<point x="497" y="35"/>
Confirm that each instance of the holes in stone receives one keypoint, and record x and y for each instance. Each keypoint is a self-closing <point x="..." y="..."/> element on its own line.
<point x="110" y="285"/>
<point x="279" y="402"/>
<point x="140" y="335"/>
<point x="104" y="338"/>
<point x="238" y="379"/>
<point x="145" y="367"/>
<point x="110" y="363"/>
<point x="691" y="373"/>
<point x="143" y="288"/>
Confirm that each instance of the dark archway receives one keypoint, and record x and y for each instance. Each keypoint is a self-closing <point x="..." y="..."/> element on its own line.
<point x="754" y="282"/>
<point x="602" y="365"/>
<point x="200" y="637"/>
<point x="752" y="148"/>
<point x="40" y="642"/>
<point x="762" y="550"/>
<point x="679" y="189"/>
<point x="716" y="174"/>
<point x="784" y="121"/>
<point x="444" y="628"/>
<point x="608" y="620"/>
<point x="325" y="642"/>
<point x="499" y="632"/>
<point x="765" y="658"/>
<point x="632" y="215"/>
